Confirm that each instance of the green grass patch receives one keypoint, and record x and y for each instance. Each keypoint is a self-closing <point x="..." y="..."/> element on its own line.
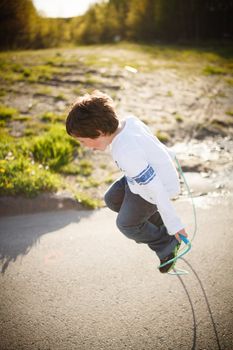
<point x="30" y="131"/>
<point x="2" y="92"/>
<point x="54" y="148"/>
<point x="179" y="118"/>
<point x="21" y="118"/>
<point x="182" y="53"/>
<point x="91" y="80"/>
<point x="55" y="61"/>
<point x="78" y="90"/>
<point x="31" y="165"/>
<point x="229" y="112"/>
<point x="60" y="97"/>
<point x="45" y="90"/>
<point x="22" y="176"/>
<point x="87" y="201"/>
<point x="108" y="180"/>
<point x="85" y="167"/>
<point x="150" y="57"/>
<point x="24" y="70"/>
<point x="70" y="169"/>
<point x="90" y="183"/>
<point x="169" y="94"/>
<point x="162" y="136"/>
<point x="7" y="113"/>
<point x="229" y="81"/>
<point x="215" y="70"/>
<point x="48" y="117"/>
<point x="51" y="117"/>
<point x="38" y="74"/>
<point x="19" y="173"/>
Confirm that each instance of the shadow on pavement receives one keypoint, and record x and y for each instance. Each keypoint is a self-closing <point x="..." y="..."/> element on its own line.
<point x="19" y="234"/>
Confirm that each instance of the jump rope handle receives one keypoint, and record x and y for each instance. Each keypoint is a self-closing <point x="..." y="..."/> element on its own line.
<point x="184" y="239"/>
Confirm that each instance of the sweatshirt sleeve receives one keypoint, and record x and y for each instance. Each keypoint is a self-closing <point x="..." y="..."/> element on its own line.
<point x="138" y="171"/>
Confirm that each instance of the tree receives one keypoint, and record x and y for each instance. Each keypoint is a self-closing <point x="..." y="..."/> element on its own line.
<point x="141" y="20"/>
<point x="17" y="18"/>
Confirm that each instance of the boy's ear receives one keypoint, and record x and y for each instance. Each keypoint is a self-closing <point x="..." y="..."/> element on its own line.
<point x="101" y="133"/>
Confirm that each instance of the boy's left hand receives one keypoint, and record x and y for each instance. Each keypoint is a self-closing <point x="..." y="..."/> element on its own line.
<point x="183" y="232"/>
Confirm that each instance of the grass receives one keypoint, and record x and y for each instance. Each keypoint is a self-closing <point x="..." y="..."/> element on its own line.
<point x="169" y="94"/>
<point x="45" y="90"/>
<point x="35" y="164"/>
<point x="51" y="117"/>
<point x="229" y="112"/>
<point x="26" y="71"/>
<point x="7" y="113"/>
<point x="21" y="118"/>
<point x="108" y="180"/>
<point x="215" y="70"/>
<point x="163" y="136"/>
<point x="83" y="167"/>
<point x="2" y="92"/>
<point x="54" y="148"/>
<point x="19" y="173"/>
<point x="90" y="183"/>
<point x="30" y="165"/>
<point x="60" y="97"/>
<point x="179" y="118"/>
<point x="229" y="81"/>
<point x="42" y="65"/>
<point x="146" y="58"/>
<point x="87" y="201"/>
<point x="48" y="117"/>
<point x="22" y="176"/>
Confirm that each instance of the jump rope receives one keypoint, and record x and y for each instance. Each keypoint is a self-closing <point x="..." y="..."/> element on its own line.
<point x="187" y="242"/>
<point x="179" y="272"/>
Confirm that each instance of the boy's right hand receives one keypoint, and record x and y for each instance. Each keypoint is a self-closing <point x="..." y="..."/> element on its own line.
<point x="182" y="232"/>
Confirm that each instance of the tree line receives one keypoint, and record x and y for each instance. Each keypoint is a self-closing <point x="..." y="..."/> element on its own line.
<point x="21" y="26"/>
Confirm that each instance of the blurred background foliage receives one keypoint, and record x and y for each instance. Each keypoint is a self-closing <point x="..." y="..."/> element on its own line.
<point x="176" y="21"/>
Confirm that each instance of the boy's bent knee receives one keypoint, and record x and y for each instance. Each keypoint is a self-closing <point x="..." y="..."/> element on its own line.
<point x="107" y="199"/>
<point x="128" y="230"/>
<point x="109" y="202"/>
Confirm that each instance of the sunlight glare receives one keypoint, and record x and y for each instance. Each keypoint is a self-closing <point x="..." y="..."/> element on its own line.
<point x="62" y="8"/>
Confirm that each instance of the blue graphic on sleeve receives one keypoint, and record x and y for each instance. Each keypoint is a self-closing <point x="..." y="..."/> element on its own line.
<point x="145" y="176"/>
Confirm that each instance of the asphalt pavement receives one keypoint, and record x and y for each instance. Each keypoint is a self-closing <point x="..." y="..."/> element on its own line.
<point x="70" y="280"/>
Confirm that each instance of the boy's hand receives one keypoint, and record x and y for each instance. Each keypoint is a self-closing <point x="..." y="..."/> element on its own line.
<point x="183" y="232"/>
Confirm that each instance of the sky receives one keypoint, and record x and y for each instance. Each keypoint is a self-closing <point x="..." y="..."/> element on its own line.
<point x="62" y="8"/>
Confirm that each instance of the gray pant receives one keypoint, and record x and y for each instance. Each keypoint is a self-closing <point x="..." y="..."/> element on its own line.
<point x="138" y="219"/>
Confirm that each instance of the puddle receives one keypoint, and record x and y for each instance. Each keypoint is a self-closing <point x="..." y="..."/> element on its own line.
<point x="199" y="183"/>
<point x="207" y="201"/>
<point x="208" y="150"/>
<point x="207" y="165"/>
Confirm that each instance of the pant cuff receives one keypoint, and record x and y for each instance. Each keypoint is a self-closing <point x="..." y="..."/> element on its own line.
<point x="168" y="249"/>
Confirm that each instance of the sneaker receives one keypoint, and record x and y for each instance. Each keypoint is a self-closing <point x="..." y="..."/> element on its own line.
<point x="171" y="256"/>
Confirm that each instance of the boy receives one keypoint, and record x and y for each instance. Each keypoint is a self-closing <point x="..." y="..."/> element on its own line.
<point x="142" y="196"/>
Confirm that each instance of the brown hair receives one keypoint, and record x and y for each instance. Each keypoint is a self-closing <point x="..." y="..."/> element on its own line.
<point x="91" y="114"/>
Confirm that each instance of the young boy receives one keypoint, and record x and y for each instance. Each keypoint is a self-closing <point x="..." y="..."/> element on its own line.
<point x="142" y="196"/>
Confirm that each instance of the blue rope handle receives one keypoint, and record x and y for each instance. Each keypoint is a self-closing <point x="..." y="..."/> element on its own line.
<point x="184" y="239"/>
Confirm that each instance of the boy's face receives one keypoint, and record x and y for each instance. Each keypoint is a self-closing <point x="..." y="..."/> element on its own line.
<point x="100" y="143"/>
